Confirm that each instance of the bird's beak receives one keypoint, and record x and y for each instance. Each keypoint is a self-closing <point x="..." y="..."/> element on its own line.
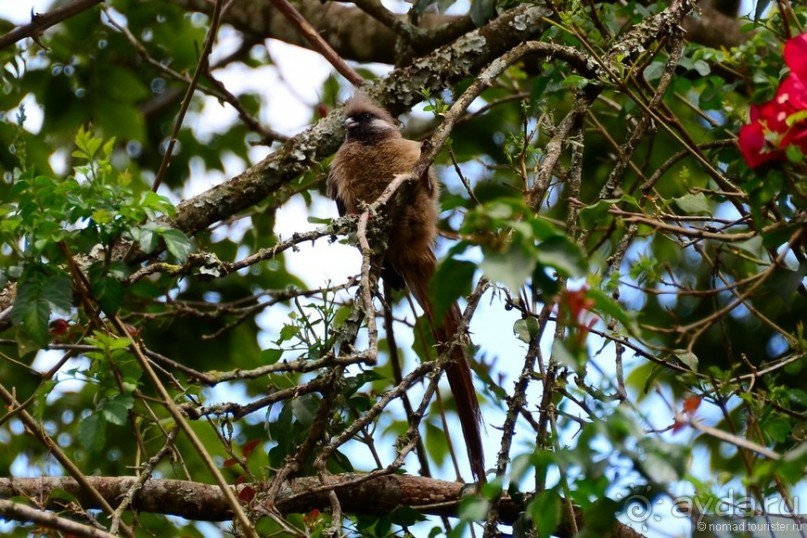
<point x="350" y="122"/>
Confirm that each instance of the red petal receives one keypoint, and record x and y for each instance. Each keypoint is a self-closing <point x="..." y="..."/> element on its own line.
<point x="773" y="115"/>
<point x="792" y="93"/>
<point x="754" y="113"/>
<point x="691" y="404"/>
<point x="246" y="494"/>
<point x="575" y="300"/>
<point x="796" y="55"/>
<point x="58" y="327"/>
<point x="249" y="446"/>
<point x="752" y="142"/>
<point x="796" y="136"/>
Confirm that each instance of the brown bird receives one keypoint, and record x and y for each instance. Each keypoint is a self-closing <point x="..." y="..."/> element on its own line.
<point x="373" y="153"/>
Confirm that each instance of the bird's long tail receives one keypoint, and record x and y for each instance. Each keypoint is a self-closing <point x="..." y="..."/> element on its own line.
<point x="417" y="274"/>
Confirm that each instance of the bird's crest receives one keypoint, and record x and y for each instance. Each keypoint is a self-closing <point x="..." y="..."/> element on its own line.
<point x="360" y="103"/>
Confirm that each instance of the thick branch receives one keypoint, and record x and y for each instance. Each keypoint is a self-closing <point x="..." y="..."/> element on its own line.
<point x="204" y="502"/>
<point x="351" y="32"/>
<point x="358" y="36"/>
<point x="713" y="29"/>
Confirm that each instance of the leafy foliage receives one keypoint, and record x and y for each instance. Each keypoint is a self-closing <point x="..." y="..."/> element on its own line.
<point x="635" y="292"/>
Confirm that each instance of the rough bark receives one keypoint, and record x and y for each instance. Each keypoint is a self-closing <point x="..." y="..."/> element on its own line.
<point x="203" y="502"/>
<point x="355" y="35"/>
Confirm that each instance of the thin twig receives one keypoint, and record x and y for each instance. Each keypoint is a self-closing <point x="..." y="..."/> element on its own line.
<point x="25" y="513"/>
<point x="33" y="426"/>
<point x="40" y="22"/>
<point x="319" y="44"/>
<point x="139" y="353"/>
<point x="201" y="68"/>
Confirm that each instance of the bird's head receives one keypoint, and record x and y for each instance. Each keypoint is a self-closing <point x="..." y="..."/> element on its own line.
<point x="367" y="122"/>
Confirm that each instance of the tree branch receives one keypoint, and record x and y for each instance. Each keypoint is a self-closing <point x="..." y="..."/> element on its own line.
<point x="41" y="22"/>
<point x="351" y="32"/>
<point x="367" y="34"/>
<point x="204" y="502"/>
<point x="319" y="44"/>
<point x="23" y="512"/>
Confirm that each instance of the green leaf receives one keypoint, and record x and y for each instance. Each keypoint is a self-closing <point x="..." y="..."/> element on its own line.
<point x="794" y="154"/>
<point x="102" y="216"/>
<point x="435" y="442"/>
<point x="158" y="203"/>
<point x="270" y="356"/>
<point x="116" y="410"/>
<point x="753" y="246"/>
<point x="511" y="268"/>
<point x="287" y="333"/>
<point x="702" y="67"/>
<point x="146" y="238"/>
<point x="42" y="393"/>
<point x="689" y="359"/>
<point x="32" y="310"/>
<point x="108" y="147"/>
<point x="564" y="255"/>
<point x="452" y="280"/>
<point x="777" y="428"/>
<point x="654" y="71"/>
<point x="87" y="144"/>
<point x="482" y="11"/>
<point x="693" y="204"/>
<point x="406" y="516"/>
<point x="604" y="304"/>
<point x="305" y="409"/>
<point x="109" y="293"/>
<point x="177" y="243"/>
<point x="562" y="355"/>
<point x="58" y="291"/>
<point x="473" y="509"/>
<point x="92" y="433"/>
<point x="600" y="518"/>
<point x="525" y="329"/>
<point x="662" y="463"/>
<point x="545" y="512"/>
<point x="424" y="344"/>
<point x="339" y="463"/>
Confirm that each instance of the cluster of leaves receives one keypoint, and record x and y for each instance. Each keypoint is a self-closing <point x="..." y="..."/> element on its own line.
<point x="629" y="263"/>
<point x="47" y="222"/>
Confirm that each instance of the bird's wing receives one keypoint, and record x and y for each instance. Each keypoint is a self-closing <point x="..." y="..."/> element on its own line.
<point x="333" y="192"/>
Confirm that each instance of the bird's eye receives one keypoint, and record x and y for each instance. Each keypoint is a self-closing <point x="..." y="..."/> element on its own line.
<point x="366" y="116"/>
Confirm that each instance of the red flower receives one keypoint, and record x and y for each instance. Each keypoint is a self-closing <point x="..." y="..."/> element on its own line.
<point x="691" y="404"/>
<point x="797" y="137"/>
<point x="753" y="146"/>
<point x="578" y="303"/>
<point x="769" y="135"/>
<point x="772" y="115"/>
<point x="792" y="92"/>
<point x="796" y="55"/>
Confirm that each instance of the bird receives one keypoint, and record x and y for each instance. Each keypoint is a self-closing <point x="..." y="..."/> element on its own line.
<point x="373" y="153"/>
